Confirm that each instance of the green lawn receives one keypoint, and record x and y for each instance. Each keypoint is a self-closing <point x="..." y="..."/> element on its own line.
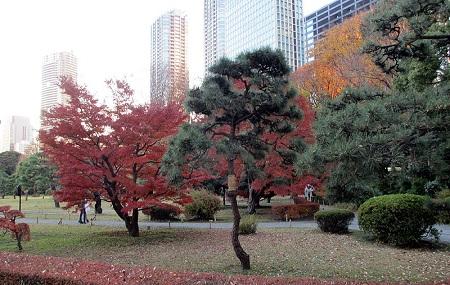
<point x="32" y="203"/>
<point x="44" y="208"/>
<point x="273" y="252"/>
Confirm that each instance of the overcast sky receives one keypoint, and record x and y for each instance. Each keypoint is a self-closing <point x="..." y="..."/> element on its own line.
<point x="110" y="38"/>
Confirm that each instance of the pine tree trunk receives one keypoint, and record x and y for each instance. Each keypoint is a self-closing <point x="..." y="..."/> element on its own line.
<point x="252" y="201"/>
<point x="244" y="258"/>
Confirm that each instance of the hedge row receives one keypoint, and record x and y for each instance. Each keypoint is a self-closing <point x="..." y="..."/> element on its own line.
<point x="296" y="211"/>
<point x="26" y="270"/>
<point x="334" y="221"/>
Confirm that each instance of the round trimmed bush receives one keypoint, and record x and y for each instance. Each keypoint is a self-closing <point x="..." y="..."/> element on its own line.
<point x="204" y="205"/>
<point x="399" y="219"/>
<point x="334" y="221"/>
<point x="162" y="212"/>
<point x="248" y="225"/>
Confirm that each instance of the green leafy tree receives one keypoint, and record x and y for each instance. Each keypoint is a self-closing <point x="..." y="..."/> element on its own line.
<point x="243" y="100"/>
<point x="9" y="161"/>
<point x="36" y="174"/>
<point x="7" y="183"/>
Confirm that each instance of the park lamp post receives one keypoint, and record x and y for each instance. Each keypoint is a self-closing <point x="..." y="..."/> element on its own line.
<point x="19" y="193"/>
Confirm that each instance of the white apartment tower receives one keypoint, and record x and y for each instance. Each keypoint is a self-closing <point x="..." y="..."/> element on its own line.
<point x="169" y="73"/>
<point x="16" y="134"/>
<point x="54" y="67"/>
<point x="214" y="34"/>
<point x="278" y="24"/>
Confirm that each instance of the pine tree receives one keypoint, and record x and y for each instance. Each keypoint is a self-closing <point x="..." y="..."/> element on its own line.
<point x="243" y="100"/>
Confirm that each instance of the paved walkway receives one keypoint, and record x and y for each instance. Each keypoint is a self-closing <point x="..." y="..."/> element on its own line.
<point x="444" y="229"/>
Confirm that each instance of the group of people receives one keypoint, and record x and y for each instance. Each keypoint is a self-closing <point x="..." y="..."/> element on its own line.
<point x="84" y="208"/>
<point x="309" y="192"/>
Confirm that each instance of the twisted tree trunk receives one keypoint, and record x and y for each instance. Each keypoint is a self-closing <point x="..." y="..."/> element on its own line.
<point x="243" y="257"/>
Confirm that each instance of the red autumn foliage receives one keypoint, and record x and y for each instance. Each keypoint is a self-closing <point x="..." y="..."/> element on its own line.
<point x="295" y="211"/>
<point x="114" y="151"/>
<point x="275" y="167"/>
<point x="22" y="269"/>
<point x="21" y="231"/>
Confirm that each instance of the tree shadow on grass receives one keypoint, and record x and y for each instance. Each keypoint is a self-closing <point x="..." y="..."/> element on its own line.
<point x="120" y="238"/>
<point x="425" y="245"/>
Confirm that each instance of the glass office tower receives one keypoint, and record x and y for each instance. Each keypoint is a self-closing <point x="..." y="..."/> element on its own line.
<point x="333" y="14"/>
<point x="277" y="24"/>
<point x="214" y="34"/>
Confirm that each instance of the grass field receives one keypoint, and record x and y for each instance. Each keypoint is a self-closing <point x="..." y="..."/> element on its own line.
<point x="44" y="208"/>
<point x="273" y="252"/>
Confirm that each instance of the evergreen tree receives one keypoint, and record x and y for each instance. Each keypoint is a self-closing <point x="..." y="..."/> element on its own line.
<point x="377" y="142"/>
<point x="240" y="102"/>
<point x="36" y="174"/>
<point x="410" y="38"/>
<point x="9" y="161"/>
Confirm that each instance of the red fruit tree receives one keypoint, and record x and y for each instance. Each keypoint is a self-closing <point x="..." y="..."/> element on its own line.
<point x="115" y="151"/>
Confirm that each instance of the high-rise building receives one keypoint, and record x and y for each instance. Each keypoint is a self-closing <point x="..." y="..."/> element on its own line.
<point x="214" y="34"/>
<point x="333" y="14"/>
<point x="169" y="73"/>
<point x="54" y="67"/>
<point x="16" y="134"/>
<point x="254" y="24"/>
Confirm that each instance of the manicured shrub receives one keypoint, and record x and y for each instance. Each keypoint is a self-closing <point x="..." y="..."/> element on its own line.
<point x="162" y="212"/>
<point x="399" y="219"/>
<point x="346" y="206"/>
<point x="248" y="225"/>
<point x="334" y="221"/>
<point x="296" y="211"/>
<point x="204" y="205"/>
<point x="300" y="200"/>
<point x="19" y="231"/>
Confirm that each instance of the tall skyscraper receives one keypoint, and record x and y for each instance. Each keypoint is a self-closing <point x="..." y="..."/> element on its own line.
<point x="54" y="66"/>
<point x="333" y="14"/>
<point x="16" y="134"/>
<point x="169" y="73"/>
<point x="254" y="24"/>
<point x="214" y="34"/>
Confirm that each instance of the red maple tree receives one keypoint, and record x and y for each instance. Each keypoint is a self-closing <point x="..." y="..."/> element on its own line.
<point x="279" y="174"/>
<point x="114" y="151"/>
<point x="21" y="231"/>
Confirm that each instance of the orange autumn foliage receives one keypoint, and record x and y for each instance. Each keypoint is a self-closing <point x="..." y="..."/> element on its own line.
<point x="339" y="63"/>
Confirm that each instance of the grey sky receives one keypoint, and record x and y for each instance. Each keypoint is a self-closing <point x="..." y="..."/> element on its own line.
<point x="109" y="37"/>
